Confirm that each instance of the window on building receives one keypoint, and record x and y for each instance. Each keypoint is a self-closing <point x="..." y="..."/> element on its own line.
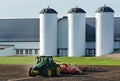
<point x="36" y="51"/>
<point x="17" y="51"/>
<point x="90" y="51"/>
<point x="26" y="51"/>
<point x="30" y="51"/>
<point x="21" y="51"/>
<point x="1" y="48"/>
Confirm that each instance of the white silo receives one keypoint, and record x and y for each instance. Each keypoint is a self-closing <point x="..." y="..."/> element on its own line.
<point x="76" y="32"/>
<point x="48" y="32"/>
<point x="104" y="30"/>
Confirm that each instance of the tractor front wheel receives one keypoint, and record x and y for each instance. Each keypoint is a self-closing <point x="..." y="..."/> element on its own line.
<point x="31" y="74"/>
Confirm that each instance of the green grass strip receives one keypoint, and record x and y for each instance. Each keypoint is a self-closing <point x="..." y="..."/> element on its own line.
<point x="29" y="60"/>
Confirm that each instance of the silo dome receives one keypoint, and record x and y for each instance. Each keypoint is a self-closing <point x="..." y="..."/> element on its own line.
<point x="104" y="9"/>
<point x="48" y="32"/>
<point x="104" y="30"/>
<point x="76" y="32"/>
<point x="48" y="10"/>
<point x="76" y="10"/>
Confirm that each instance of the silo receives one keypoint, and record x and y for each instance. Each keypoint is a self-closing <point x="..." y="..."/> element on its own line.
<point x="76" y="32"/>
<point x="48" y="32"/>
<point x="104" y="30"/>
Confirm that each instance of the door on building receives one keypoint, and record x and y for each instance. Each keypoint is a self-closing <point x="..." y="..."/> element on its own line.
<point x="62" y="52"/>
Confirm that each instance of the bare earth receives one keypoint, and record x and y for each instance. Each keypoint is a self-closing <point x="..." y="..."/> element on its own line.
<point x="19" y="73"/>
<point x="92" y="73"/>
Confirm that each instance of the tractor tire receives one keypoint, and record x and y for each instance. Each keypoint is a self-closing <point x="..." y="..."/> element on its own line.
<point x="44" y="73"/>
<point x="57" y="70"/>
<point x="31" y="74"/>
<point x="48" y="72"/>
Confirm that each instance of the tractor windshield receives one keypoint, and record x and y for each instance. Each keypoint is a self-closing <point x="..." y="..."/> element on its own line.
<point x="44" y="59"/>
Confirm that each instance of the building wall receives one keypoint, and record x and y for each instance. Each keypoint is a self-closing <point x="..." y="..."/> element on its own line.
<point x="62" y="33"/>
<point x="22" y="48"/>
<point x="29" y="48"/>
<point x="90" y="48"/>
<point x="26" y="48"/>
<point x="62" y="37"/>
<point x="2" y="52"/>
<point x="8" y="51"/>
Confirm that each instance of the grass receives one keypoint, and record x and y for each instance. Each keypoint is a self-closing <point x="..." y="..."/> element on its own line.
<point x="29" y="60"/>
<point x="89" y="61"/>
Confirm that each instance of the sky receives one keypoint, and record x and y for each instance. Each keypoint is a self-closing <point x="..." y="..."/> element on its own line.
<point x="12" y="9"/>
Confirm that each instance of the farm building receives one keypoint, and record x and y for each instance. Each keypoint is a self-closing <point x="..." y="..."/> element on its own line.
<point x="22" y="36"/>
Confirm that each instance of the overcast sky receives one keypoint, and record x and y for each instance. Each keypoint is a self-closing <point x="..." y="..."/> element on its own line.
<point x="31" y="8"/>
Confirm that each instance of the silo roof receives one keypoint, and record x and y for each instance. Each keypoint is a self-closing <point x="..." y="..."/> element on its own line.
<point x="48" y="10"/>
<point x="104" y="9"/>
<point x="76" y="10"/>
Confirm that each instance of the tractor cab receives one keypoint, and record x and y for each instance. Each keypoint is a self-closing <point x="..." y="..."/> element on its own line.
<point x="45" y="59"/>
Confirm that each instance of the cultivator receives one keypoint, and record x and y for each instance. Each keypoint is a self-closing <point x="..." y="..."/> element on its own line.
<point x="69" y="69"/>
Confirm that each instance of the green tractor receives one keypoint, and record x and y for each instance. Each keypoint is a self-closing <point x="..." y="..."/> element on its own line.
<point x="45" y="66"/>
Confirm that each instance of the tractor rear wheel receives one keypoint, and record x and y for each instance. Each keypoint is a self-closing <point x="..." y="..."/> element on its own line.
<point x="57" y="70"/>
<point x="48" y="72"/>
<point x="31" y="74"/>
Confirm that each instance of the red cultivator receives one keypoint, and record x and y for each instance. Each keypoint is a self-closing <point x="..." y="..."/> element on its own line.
<point x="69" y="69"/>
<point x="74" y="69"/>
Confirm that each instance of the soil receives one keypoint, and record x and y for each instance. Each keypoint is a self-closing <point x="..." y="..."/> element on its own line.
<point x="90" y="73"/>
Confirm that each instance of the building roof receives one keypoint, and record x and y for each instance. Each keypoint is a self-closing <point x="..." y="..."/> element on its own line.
<point x="76" y="10"/>
<point x="104" y="9"/>
<point x="5" y="46"/>
<point x="19" y="30"/>
<point x="48" y="10"/>
<point x="22" y="30"/>
<point x="90" y="29"/>
<point x="64" y="17"/>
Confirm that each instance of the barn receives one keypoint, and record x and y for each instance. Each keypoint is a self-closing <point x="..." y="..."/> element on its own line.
<point x="22" y="36"/>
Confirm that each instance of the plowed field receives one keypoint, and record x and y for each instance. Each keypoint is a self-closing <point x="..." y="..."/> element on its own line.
<point x="19" y="73"/>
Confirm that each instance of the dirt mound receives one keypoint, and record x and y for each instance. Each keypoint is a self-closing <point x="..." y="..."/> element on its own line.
<point x="114" y="56"/>
<point x="19" y="73"/>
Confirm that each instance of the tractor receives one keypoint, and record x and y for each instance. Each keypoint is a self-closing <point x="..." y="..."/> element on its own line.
<point x="45" y="66"/>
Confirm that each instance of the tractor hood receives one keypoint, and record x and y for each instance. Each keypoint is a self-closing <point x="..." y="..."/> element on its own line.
<point x="38" y="65"/>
